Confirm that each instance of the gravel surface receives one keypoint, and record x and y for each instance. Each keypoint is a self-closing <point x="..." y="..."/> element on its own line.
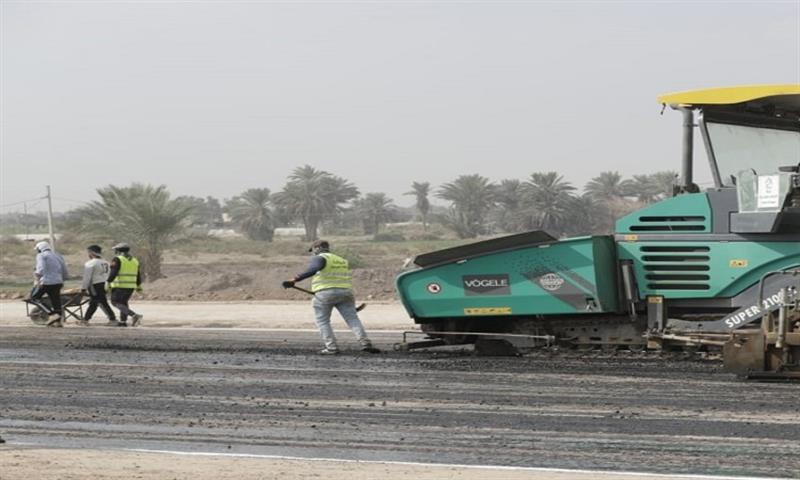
<point x="268" y="392"/>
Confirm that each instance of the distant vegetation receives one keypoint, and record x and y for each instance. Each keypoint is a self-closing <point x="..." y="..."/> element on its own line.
<point x="313" y="196"/>
<point x="315" y="200"/>
<point x="252" y="213"/>
<point x="141" y="215"/>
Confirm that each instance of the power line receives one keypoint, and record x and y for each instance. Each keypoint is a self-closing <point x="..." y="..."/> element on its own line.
<point x="21" y="202"/>
<point x="70" y="200"/>
<point x="34" y="204"/>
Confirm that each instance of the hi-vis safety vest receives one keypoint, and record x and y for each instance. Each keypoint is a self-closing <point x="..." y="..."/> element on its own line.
<point x="128" y="271"/>
<point x="336" y="274"/>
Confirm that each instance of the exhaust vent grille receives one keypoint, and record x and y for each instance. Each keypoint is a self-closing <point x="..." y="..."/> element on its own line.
<point x="670" y="224"/>
<point x="684" y="267"/>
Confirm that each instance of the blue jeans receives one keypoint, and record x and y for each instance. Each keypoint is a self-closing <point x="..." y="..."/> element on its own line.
<point x="342" y="299"/>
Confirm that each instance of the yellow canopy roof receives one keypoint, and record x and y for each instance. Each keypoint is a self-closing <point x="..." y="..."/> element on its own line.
<point x="728" y="95"/>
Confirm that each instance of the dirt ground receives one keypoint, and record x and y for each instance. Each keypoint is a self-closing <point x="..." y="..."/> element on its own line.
<point x="254" y="281"/>
<point x="216" y="276"/>
<point x="72" y="464"/>
<point x="266" y="395"/>
<point x="381" y="315"/>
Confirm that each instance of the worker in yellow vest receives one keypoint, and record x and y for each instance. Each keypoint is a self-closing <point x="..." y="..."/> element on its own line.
<point x="124" y="278"/>
<point x="333" y="288"/>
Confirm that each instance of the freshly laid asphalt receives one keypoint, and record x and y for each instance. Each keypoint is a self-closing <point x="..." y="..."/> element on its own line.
<point x="268" y="392"/>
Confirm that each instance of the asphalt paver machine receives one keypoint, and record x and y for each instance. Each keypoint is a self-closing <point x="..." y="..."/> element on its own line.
<point x="716" y="269"/>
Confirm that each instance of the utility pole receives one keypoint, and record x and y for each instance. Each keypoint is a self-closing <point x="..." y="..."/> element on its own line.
<point x="50" y="218"/>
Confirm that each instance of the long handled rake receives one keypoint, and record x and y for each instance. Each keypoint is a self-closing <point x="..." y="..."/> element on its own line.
<point x="360" y="307"/>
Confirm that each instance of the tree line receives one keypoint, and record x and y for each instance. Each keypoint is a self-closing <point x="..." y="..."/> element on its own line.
<point x="545" y="201"/>
<point x="150" y="217"/>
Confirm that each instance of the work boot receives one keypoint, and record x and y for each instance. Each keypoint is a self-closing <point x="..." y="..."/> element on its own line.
<point x="366" y="346"/>
<point x="55" y="322"/>
<point x="136" y="319"/>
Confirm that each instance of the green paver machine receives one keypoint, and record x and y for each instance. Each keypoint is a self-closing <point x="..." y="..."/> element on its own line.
<point x="719" y="267"/>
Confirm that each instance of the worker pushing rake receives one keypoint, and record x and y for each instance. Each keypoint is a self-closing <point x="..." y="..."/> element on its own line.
<point x="332" y="287"/>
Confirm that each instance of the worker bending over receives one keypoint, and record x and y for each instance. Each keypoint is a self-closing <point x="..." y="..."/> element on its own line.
<point x="49" y="276"/>
<point x="333" y="288"/>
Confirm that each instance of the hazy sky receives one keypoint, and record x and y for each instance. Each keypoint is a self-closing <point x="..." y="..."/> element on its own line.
<point x="212" y="98"/>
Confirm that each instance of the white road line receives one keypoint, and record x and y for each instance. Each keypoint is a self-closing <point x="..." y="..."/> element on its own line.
<point x="422" y="464"/>
<point x="451" y="465"/>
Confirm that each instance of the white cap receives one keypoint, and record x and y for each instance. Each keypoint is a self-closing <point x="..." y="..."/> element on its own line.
<point x="42" y="246"/>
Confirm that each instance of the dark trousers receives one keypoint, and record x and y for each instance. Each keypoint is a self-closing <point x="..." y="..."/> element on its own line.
<point x="97" y="297"/>
<point x="53" y="293"/>
<point x="120" y="298"/>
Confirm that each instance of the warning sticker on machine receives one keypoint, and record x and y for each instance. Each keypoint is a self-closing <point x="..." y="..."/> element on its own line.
<point x="768" y="191"/>
<point x="488" y="311"/>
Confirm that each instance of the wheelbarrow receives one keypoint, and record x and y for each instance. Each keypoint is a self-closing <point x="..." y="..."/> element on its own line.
<point x="72" y="302"/>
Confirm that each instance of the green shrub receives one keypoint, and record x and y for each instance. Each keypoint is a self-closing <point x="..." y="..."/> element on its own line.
<point x="426" y="236"/>
<point x="353" y="257"/>
<point x="10" y="241"/>
<point x="14" y="247"/>
<point x="389" y="237"/>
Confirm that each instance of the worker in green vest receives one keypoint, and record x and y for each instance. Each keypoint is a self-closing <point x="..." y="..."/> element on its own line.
<point x="124" y="278"/>
<point x="333" y="288"/>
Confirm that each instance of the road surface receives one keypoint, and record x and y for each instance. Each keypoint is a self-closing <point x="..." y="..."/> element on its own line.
<point x="265" y="393"/>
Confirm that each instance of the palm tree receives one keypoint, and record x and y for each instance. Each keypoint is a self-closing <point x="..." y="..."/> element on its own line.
<point x="605" y="187"/>
<point x="313" y="195"/>
<point x="338" y="191"/>
<point x="510" y="196"/>
<point x="607" y="190"/>
<point x="471" y="197"/>
<point x="583" y="216"/>
<point x="420" y="190"/>
<point x="143" y="215"/>
<point x="547" y="201"/>
<point x="664" y="183"/>
<point x="374" y="209"/>
<point x="642" y="187"/>
<point x="651" y="188"/>
<point x="206" y="212"/>
<point x="251" y="210"/>
<point x="213" y="211"/>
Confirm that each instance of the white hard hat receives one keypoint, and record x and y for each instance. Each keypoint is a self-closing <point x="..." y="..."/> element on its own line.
<point x="124" y="247"/>
<point x="42" y="246"/>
